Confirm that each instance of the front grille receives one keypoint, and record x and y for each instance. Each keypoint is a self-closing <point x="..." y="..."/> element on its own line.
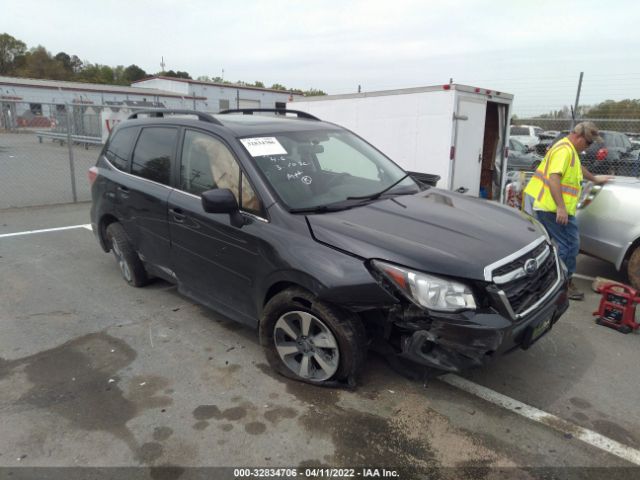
<point x="525" y="291"/>
<point x="519" y="262"/>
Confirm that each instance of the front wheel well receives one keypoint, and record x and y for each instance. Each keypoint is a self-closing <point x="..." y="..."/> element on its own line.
<point x="276" y="288"/>
<point x="635" y="244"/>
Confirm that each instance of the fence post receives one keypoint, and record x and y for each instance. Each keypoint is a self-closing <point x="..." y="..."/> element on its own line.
<point x="575" y="109"/>
<point x="72" y="169"/>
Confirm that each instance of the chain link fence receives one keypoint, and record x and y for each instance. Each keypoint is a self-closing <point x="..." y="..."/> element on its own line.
<point x="46" y="148"/>
<point x="618" y="155"/>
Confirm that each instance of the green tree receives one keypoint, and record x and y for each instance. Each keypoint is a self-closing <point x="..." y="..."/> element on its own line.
<point x="10" y="49"/>
<point x="312" y="92"/>
<point x="133" y="73"/>
<point x="611" y="109"/>
<point x="38" y="63"/>
<point x="177" y="74"/>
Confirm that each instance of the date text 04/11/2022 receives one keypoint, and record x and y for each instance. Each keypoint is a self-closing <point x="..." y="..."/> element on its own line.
<point x="315" y="473"/>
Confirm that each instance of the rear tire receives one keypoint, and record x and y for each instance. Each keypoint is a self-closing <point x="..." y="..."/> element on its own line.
<point x="633" y="268"/>
<point x="131" y="267"/>
<point x="312" y="341"/>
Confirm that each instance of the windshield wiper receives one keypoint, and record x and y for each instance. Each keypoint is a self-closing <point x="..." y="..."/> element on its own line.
<point x="373" y="196"/>
<point x="331" y="207"/>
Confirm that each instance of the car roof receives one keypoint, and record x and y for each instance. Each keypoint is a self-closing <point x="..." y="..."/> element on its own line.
<point x="239" y="125"/>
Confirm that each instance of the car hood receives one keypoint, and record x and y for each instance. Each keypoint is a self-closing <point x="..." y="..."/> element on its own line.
<point x="434" y="231"/>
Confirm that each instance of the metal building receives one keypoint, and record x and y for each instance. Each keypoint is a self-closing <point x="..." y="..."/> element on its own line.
<point x="220" y="96"/>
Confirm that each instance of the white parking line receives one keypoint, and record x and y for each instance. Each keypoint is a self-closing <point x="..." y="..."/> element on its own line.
<point x="46" y="230"/>
<point x="587" y="436"/>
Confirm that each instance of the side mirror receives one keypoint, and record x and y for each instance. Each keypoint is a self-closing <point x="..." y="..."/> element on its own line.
<point x="222" y="200"/>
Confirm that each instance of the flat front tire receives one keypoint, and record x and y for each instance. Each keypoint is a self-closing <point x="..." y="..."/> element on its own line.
<point x="131" y="267"/>
<point x="312" y="341"/>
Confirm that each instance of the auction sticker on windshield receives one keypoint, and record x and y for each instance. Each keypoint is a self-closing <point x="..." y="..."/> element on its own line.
<point x="261" y="146"/>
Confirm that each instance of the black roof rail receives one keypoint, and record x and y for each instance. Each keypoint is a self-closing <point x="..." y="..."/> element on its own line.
<point x="249" y="111"/>
<point x="205" y="117"/>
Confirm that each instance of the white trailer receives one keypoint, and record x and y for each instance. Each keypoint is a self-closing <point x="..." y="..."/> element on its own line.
<point x="455" y="131"/>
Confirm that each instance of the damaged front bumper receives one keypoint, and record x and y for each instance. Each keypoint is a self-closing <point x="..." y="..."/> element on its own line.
<point x="455" y="342"/>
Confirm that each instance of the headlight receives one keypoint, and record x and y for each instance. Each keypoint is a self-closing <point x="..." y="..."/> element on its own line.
<point x="428" y="291"/>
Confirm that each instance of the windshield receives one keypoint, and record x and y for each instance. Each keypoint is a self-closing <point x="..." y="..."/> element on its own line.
<point x="320" y="168"/>
<point x="516" y="146"/>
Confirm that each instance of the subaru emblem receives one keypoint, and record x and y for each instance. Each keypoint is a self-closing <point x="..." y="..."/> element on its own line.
<point x="530" y="266"/>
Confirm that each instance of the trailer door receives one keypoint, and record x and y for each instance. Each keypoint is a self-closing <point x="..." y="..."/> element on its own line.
<point x="467" y="163"/>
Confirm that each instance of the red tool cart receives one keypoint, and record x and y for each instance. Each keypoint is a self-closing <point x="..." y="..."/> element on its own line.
<point x="618" y="307"/>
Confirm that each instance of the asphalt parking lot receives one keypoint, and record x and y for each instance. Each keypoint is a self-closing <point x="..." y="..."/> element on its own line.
<point x="96" y="373"/>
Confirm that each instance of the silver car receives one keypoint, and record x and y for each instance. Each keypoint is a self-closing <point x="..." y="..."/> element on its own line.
<point x="609" y="220"/>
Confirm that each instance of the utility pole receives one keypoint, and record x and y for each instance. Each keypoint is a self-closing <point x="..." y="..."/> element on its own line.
<point x="162" y="64"/>
<point x="575" y="108"/>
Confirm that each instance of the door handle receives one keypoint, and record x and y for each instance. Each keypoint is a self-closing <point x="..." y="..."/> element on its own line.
<point x="123" y="191"/>
<point x="178" y="214"/>
<point x="462" y="190"/>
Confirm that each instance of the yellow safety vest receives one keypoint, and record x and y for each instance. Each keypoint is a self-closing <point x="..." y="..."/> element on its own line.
<point x="562" y="158"/>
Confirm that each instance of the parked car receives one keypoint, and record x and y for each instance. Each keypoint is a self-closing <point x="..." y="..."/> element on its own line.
<point x="634" y="138"/>
<point x="520" y="158"/>
<point x="547" y="139"/>
<point x="301" y="229"/>
<point x="609" y="220"/>
<point x="616" y="156"/>
<point x="528" y="135"/>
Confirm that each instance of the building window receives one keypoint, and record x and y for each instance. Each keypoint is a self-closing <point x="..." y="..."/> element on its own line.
<point x="36" y="109"/>
<point x="224" y="105"/>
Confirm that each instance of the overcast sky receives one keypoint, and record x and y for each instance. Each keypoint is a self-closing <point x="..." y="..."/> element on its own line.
<point x="533" y="49"/>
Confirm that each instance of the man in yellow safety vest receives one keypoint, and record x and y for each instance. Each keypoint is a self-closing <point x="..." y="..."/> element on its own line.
<point x="555" y="188"/>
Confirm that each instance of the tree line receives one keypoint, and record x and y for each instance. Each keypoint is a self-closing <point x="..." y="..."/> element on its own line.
<point x="16" y="60"/>
<point x="622" y="109"/>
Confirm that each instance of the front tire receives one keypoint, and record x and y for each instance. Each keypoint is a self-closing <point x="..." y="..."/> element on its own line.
<point x="131" y="267"/>
<point x="311" y="341"/>
<point x="633" y="268"/>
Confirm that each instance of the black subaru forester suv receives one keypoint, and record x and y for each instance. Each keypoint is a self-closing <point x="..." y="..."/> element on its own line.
<point x="301" y="229"/>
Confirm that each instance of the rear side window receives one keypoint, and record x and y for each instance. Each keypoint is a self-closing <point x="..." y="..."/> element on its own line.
<point x="153" y="153"/>
<point x="119" y="148"/>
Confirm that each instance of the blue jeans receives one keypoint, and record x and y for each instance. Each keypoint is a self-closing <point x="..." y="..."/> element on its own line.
<point x="566" y="236"/>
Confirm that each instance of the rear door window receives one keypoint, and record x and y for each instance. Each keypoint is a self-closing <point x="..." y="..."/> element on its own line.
<point x="153" y="154"/>
<point x="118" y="148"/>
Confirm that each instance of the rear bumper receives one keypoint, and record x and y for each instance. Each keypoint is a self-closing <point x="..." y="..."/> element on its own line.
<point x="455" y="344"/>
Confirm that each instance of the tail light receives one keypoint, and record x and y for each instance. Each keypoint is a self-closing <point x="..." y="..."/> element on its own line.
<point x="589" y="192"/>
<point x="92" y="174"/>
<point x="602" y="154"/>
